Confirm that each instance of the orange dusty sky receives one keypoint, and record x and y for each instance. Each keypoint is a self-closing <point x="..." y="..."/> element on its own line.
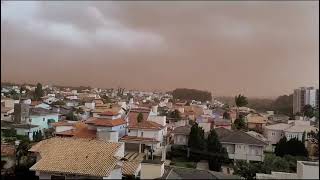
<point x="256" y="48"/>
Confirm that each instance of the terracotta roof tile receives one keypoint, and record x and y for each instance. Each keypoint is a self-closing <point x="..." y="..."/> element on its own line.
<point x="62" y="123"/>
<point x="76" y="156"/>
<point x="145" y="124"/>
<point x="106" y="122"/>
<point x="130" y="167"/>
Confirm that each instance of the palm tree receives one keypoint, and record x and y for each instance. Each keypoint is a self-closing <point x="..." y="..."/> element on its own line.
<point x="240" y="101"/>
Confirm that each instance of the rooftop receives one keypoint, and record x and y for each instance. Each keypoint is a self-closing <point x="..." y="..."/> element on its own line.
<point x="106" y="122"/>
<point x="185" y="130"/>
<point x="76" y="156"/>
<point x="240" y="137"/>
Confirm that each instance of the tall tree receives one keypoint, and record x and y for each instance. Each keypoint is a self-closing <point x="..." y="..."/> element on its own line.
<point x="281" y="147"/>
<point x="292" y="147"/>
<point x="240" y="101"/>
<point x="239" y="123"/>
<point x="196" y="137"/>
<point x="38" y="92"/>
<point x="314" y="138"/>
<point x="218" y="154"/>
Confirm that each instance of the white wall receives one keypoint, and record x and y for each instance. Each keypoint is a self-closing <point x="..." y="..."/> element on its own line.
<point x="151" y="171"/>
<point x="305" y="171"/>
<point x="205" y="126"/>
<point x="63" y="128"/>
<point x="158" y="119"/>
<point x="273" y="136"/>
<point x="115" y="174"/>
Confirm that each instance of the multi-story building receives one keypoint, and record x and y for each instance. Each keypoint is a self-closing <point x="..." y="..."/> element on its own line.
<point x="304" y="96"/>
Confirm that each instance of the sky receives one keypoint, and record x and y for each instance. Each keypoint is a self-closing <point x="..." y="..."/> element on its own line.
<point x="259" y="49"/>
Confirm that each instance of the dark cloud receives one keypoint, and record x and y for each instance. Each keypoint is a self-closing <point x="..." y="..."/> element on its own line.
<point x="256" y="48"/>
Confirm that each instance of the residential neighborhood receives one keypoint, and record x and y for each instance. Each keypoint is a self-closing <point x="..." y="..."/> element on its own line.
<point x="159" y="90"/>
<point x="148" y="136"/>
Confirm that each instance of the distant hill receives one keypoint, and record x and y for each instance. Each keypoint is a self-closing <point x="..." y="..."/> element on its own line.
<point x="191" y="94"/>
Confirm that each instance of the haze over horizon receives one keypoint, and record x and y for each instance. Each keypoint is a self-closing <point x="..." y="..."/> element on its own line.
<point x="260" y="49"/>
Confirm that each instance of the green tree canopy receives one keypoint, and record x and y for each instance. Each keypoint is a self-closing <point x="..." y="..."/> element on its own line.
<point x="292" y="147"/>
<point x="38" y="93"/>
<point x="191" y="94"/>
<point x="240" y="100"/>
<point x="308" y="111"/>
<point x="196" y="137"/>
<point x="240" y="123"/>
<point x="219" y="154"/>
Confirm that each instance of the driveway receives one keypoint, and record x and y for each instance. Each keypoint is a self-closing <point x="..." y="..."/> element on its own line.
<point x="203" y="165"/>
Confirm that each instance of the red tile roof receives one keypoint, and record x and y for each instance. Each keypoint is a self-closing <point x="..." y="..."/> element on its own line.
<point x="81" y="131"/>
<point x="144" y="124"/>
<point x="106" y="122"/>
<point x="108" y="113"/>
<point x="34" y="103"/>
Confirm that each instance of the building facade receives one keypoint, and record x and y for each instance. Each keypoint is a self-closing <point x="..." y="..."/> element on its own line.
<point x="303" y="96"/>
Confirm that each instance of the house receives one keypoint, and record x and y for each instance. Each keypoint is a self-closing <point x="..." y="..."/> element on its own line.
<point x="63" y="126"/>
<point x="50" y="99"/>
<point x="6" y="113"/>
<point x="256" y="122"/>
<point x="305" y="170"/>
<point x="297" y="128"/>
<point x="43" y="105"/>
<point x="220" y="122"/>
<point x="42" y="117"/>
<point x="102" y="124"/>
<point x="145" y="135"/>
<point x="8" y="158"/>
<point x="275" y="132"/>
<point x="78" y="158"/>
<point x="21" y="128"/>
<point x="155" y="169"/>
<point x="131" y="169"/>
<point x="181" y="135"/>
<point x="8" y="102"/>
<point x="242" y="146"/>
<point x="189" y="173"/>
<point x="293" y="129"/>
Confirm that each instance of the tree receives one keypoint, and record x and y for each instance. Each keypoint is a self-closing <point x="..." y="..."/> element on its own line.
<point x="140" y="117"/>
<point x="226" y="115"/>
<point x="175" y="114"/>
<point x="13" y="94"/>
<point x="70" y="116"/>
<point x="239" y="123"/>
<point x="281" y="147"/>
<point x="156" y="100"/>
<point x="9" y="132"/>
<point x="314" y="138"/>
<point x="191" y="94"/>
<point x="196" y="137"/>
<point x="304" y="137"/>
<point x="283" y="105"/>
<point x="244" y="169"/>
<point x="308" y="111"/>
<point x="292" y="147"/>
<point x="240" y="101"/>
<point x="218" y="153"/>
<point x="38" y="92"/>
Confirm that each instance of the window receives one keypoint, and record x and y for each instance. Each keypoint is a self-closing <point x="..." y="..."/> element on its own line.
<point x="141" y="134"/>
<point x="272" y="133"/>
<point x="44" y="119"/>
<point x="129" y="130"/>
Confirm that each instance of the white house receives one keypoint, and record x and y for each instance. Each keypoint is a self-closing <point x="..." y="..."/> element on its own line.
<point x="243" y="146"/>
<point x="145" y="135"/>
<point x="42" y="117"/>
<point x="294" y="129"/>
<point x="181" y="135"/>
